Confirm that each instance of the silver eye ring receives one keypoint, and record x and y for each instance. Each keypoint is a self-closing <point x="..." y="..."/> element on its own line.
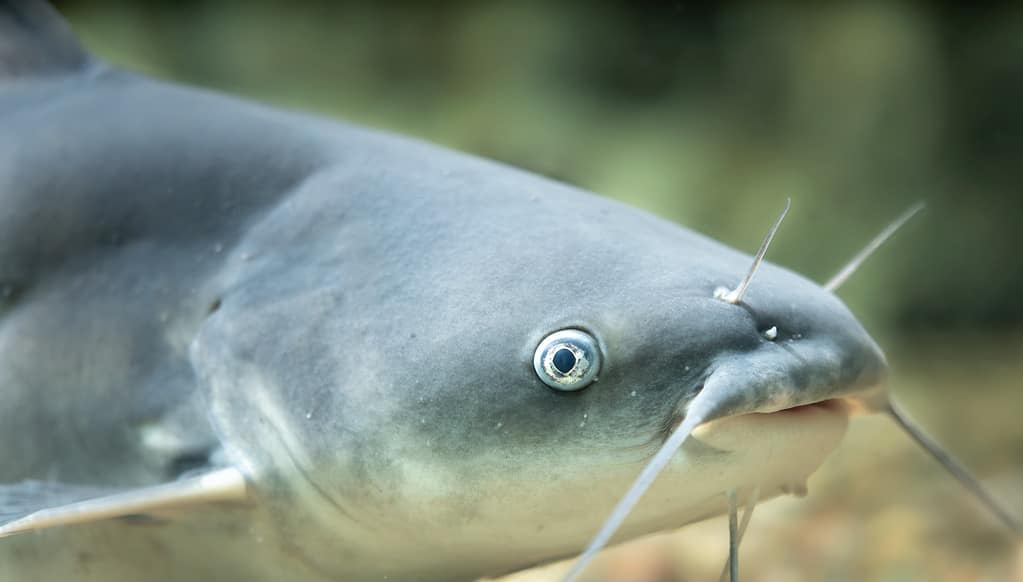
<point x="567" y="360"/>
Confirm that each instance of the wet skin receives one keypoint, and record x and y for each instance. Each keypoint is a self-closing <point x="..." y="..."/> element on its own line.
<point x="349" y="318"/>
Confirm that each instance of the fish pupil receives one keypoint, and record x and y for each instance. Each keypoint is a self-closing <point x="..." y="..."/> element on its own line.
<point x="564" y="360"/>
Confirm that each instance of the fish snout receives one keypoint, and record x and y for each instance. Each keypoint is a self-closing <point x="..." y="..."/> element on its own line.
<point x="787" y="370"/>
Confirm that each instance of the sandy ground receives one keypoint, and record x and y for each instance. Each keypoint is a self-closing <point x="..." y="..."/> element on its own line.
<point x="879" y="509"/>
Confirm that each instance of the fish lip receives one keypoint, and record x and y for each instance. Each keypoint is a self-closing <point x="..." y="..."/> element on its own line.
<point x="837" y="404"/>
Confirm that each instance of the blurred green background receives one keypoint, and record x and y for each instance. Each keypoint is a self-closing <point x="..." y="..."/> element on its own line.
<point x="712" y="116"/>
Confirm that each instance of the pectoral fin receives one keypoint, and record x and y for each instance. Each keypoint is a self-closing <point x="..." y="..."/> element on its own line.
<point x="34" y="505"/>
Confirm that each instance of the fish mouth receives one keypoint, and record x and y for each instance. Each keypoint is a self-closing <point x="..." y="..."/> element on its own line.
<point x="830" y="404"/>
<point x="783" y="383"/>
<point x="833" y="406"/>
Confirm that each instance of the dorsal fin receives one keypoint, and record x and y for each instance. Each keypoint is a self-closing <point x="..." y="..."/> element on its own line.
<point x="35" y="41"/>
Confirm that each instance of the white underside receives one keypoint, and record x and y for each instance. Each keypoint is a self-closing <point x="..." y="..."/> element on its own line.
<point x="517" y="526"/>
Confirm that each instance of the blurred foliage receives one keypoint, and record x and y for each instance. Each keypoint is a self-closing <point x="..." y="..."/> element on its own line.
<point x="707" y="115"/>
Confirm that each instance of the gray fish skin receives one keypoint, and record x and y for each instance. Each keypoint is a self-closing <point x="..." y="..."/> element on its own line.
<point x="349" y="317"/>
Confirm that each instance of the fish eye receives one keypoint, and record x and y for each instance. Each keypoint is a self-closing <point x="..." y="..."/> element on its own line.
<point x="567" y="360"/>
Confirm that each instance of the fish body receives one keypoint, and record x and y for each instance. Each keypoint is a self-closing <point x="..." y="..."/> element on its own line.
<point x="347" y="320"/>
